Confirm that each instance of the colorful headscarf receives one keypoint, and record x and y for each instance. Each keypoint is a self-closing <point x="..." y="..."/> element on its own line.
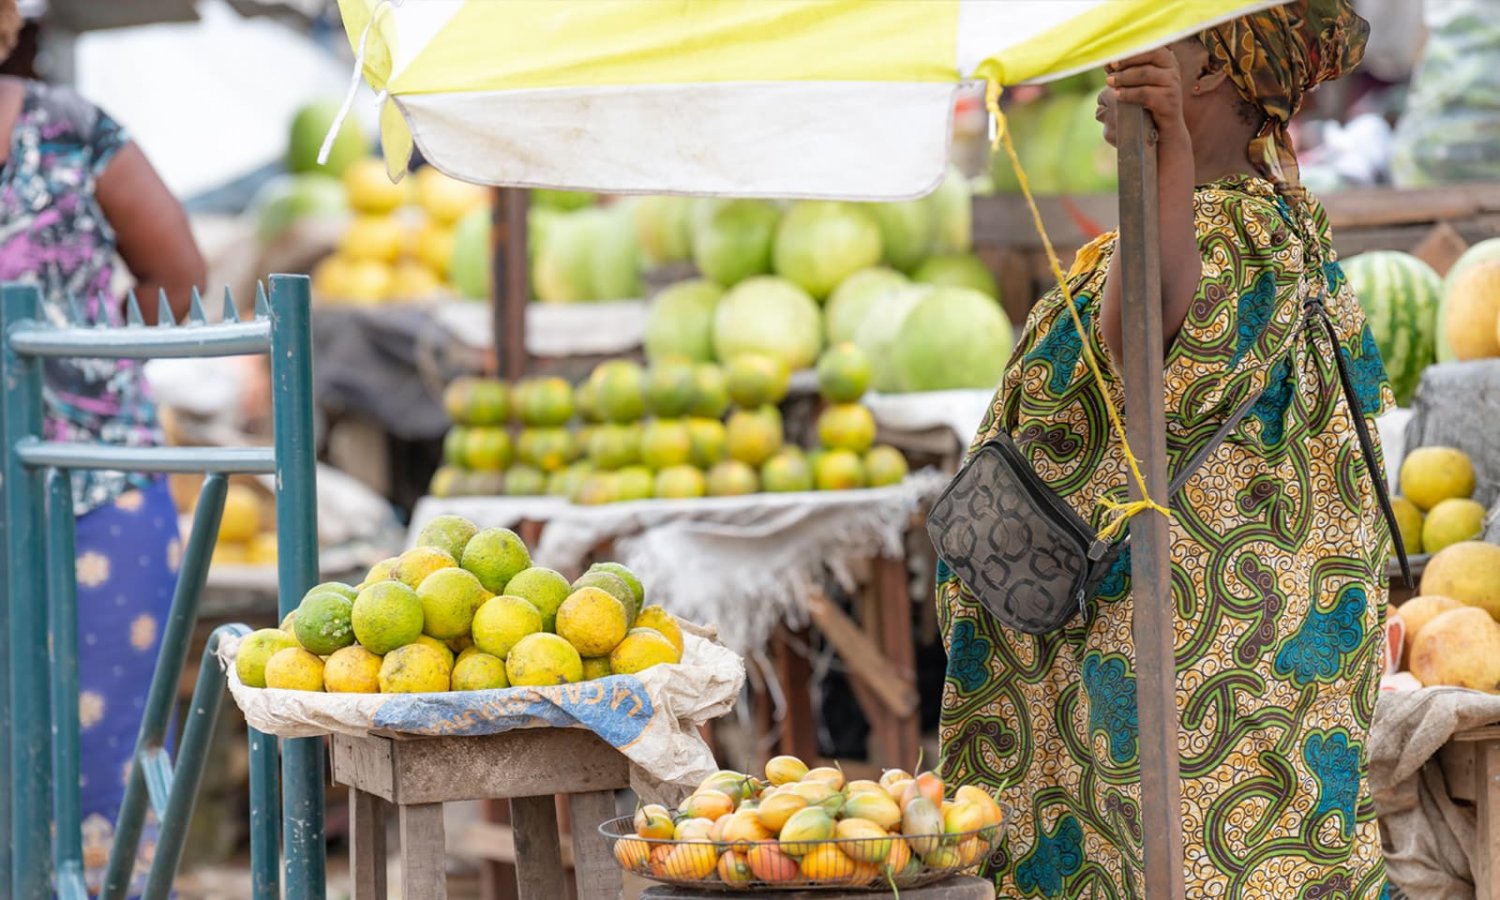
<point x="1275" y="57"/>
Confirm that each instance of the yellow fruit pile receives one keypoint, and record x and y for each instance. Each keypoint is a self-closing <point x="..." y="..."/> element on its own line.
<point x="246" y="533"/>
<point x="803" y="826"/>
<point x="463" y="610"/>
<point x="399" y="245"/>
<point x="1435" y="509"/>
<point x="678" y="430"/>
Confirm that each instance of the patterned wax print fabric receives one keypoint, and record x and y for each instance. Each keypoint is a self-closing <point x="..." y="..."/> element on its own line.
<point x="1278" y="558"/>
<point x="129" y="552"/>
<point x="54" y="235"/>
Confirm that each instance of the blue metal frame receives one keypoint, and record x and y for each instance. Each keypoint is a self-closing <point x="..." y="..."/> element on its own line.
<point x="38" y="526"/>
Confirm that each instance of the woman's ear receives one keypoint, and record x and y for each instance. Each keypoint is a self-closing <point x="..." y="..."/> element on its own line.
<point x="1209" y="79"/>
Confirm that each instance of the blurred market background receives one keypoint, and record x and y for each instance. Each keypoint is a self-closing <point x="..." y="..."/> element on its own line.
<point x="231" y="100"/>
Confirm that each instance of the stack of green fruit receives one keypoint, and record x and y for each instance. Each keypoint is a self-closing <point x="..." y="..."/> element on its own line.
<point x="482" y="456"/>
<point x="463" y="610"/>
<point x="1060" y="143"/>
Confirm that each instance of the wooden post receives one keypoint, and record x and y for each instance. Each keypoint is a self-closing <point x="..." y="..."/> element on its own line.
<point x="510" y="289"/>
<point x="1141" y="357"/>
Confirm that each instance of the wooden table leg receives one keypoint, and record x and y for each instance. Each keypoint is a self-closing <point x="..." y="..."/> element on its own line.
<point x="595" y="871"/>
<point x="539" y="868"/>
<point x="1487" y="802"/>
<point x="423" y="852"/>
<point x="497" y="880"/>
<point x="367" y="856"/>
<point x="798" y="737"/>
<point x="904" y="740"/>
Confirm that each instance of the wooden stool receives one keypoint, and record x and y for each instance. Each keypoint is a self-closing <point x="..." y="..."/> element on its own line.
<point x="959" y="887"/>
<point x="528" y="767"/>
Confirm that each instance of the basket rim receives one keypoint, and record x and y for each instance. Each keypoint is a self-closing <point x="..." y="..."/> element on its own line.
<point x="621" y="821"/>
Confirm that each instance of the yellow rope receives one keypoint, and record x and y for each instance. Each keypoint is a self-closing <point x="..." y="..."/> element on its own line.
<point x="1123" y="512"/>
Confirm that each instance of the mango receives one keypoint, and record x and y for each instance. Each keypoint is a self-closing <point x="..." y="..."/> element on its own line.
<point x="802" y="832"/>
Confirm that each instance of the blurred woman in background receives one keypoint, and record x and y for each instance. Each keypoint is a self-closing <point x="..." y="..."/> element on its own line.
<point x="76" y="198"/>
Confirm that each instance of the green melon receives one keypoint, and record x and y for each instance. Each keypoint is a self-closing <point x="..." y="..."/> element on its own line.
<point x="1399" y="294"/>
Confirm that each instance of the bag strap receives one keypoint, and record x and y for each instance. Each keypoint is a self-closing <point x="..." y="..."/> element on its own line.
<point x="1316" y="308"/>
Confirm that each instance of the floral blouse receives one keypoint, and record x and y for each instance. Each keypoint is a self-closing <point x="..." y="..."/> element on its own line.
<point x="54" y="235"/>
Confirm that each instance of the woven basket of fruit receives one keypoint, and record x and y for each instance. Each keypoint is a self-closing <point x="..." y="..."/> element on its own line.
<point x="808" y="829"/>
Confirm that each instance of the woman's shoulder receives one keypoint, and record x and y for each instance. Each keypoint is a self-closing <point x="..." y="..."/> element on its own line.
<point x="64" y="112"/>
<point x="1252" y="215"/>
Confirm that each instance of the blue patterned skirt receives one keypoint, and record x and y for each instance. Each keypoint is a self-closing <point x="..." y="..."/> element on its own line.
<point x="129" y="552"/>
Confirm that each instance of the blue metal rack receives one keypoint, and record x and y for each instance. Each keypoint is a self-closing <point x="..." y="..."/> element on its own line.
<point x="39" y="695"/>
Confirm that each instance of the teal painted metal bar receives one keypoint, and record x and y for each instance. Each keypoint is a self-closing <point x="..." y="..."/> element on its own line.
<point x="30" y="720"/>
<point x="265" y="817"/>
<point x="302" y="767"/>
<point x="142" y="342"/>
<point x="62" y="602"/>
<point x="150" y="745"/>
<point x="15" y="510"/>
<point x="38" y="453"/>
<point x="192" y="757"/>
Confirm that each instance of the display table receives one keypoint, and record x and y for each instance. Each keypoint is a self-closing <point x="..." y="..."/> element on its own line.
<point x="527" y="767"/>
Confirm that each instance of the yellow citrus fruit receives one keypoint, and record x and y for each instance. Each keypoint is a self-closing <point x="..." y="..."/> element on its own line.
<point x="294" y="669"/>
<point x="377" y="238"/>
<point x="352" y="670"/>
<point x="447" y="199"/>
<point x="370" y="189"/>
<point x="381" y="571"/>
<point x="440" y="646"/>
<point x="479" y="672"/>
<point x="1430" y="475"/>
<point x="847" y="426"/>
<point x="754" y="380"/>
<point x="543" y="659"/>
<point x="466" y="652"/>
<point x="680" y="483"/>
<point x="289" y="625"/>
<point x="611" y="583"/>
<point x="369" y="281"/>
<point x="255" y="650"/>
<point x="1450" y="522"/>
<point x="839" y="470"/>
<point x="449" y="598"/>
<point x="433" y="245"/>
<point x="753" y="435"/>
<point x="414" y="669"/>
<point x="413" y="566"/>
<point x="387" y="615"/>
<point x="596" y="667"/>
<point x="330" y="277"/>
<point x="666" y="443"/>
<point x="414" y="281"/>
<point x="885" y="465"/>
<point x="502" y="622"/>
<point x="658" y="619"/>
<point x="242" y="515"/>
<point x="844" y="373"/>
<point x="263" y="549"/>
<point x="641" y="649"/>
<point x="592" y="620"/>
<point x="495" y="556"/>
<point x="450" y="534"/>
<point x="544" y="589"/>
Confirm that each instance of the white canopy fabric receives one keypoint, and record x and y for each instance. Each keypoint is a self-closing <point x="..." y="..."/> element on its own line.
<point x="796" y="98"/>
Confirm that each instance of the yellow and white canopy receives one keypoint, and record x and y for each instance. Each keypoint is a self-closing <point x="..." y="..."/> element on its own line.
<point x="785" y="98"/>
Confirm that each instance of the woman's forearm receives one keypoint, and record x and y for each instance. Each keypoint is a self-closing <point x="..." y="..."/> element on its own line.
<point x="1181" y="262"/>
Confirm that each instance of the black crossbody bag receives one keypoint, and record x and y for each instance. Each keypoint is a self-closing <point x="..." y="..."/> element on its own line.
<point x="1032" y="561"/>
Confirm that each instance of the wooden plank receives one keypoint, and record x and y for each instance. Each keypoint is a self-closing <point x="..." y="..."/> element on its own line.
<point x="539" y="870"/>
<point x="1487" y="733"/>
<point x="1441" y="248"/>
<point x="367" y="855"/>
<point x="364" y="763"/>
<point x="596" y="874"/>
<point x="1487" y="810"/>
<point x="497" y="878"/>
<point x="423" y="852"/>
<point x="862" y="656"/>
<point x="494" y="842"/>
<point x="1457" y="760"/>
<point x="798" y="737"/>
<point x="893" y="610"/>
<point x="513" y="764"/>
<point x="1141" y="352"/>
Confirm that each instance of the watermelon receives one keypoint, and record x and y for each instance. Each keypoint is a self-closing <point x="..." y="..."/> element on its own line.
<point x="819" y="243"/>
<point x="1484" y="251"/>
<point x="953" y="215"/>
<point x="731" y="239"/>
<point x="681" y="321"/>
<point x="878" y="332"/>
<point x="952" y="338"/>
<point x="772" y="317"/>
<point x="852" y="300"/>
<point x="1399" y="294"/>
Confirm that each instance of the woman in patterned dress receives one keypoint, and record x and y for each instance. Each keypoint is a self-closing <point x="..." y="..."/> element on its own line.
<point x="1278" y="548"/>
<point x="74" y="193"/>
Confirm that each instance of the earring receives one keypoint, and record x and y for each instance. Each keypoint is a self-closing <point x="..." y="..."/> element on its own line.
<point x="1197" y="88"/>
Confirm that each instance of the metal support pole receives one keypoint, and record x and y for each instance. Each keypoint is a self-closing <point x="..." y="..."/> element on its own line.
<point x="27" y="843"/>
<point x="302" y="791"/>
<point x="1141" y="355"/>
<point x="511" y="283"/>
<point x="150" y="746"/>
<point x="62" y="603"/>
<point x="192" y="758"/>
<point x="265" y="821"/>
